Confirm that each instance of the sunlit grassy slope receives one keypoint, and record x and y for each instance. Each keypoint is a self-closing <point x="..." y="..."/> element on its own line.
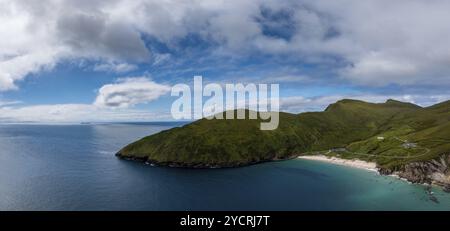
<point x="352" y="124"/>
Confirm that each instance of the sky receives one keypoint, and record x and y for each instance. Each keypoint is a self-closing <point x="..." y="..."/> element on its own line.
<point x="64" y="61"/>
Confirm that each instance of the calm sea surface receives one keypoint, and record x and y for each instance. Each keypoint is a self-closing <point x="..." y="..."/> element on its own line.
<point x="73" y="167"/>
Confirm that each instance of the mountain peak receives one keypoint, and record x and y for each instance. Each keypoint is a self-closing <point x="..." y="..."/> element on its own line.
<point x="346" y="103"/>
<point x="398" y="103"/>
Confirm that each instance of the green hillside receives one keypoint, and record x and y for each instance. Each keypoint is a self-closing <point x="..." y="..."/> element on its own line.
<point x="391" y="133"/>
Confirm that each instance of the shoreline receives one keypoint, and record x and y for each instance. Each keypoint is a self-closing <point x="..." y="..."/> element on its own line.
<point x="354" y="163"/>
<point x="369" y="166"/>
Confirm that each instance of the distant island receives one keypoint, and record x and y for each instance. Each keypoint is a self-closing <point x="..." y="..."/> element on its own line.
<point x="410" y="141"/>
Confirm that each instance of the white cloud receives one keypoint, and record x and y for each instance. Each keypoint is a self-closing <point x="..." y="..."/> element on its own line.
<point x="403" y="42"/>
<point x="129" y="92"/>
<point x="115" y="67"/>
<point x="38" y="35"/>
<point x="374" y="69"/>
<point x="287" y="79"/>
<point x="8" y="103"/>
<point x="383" y="42"/>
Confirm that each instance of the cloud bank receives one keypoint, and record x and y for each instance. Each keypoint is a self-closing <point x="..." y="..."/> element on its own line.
<point x="76" y="113"/>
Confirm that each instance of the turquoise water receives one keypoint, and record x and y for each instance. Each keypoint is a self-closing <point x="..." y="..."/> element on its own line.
<point x="73" y="167"/>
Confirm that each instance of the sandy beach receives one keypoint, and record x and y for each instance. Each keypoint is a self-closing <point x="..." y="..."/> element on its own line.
<point x="351" y="163"/>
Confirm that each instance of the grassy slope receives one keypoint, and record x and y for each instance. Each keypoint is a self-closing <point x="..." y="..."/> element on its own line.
<point x="219" y="142"/>
<point x="428" y="127"/>
<point x="347" y="123"/>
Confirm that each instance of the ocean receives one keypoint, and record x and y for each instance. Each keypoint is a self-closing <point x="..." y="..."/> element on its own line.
<point x="73" y="167"/>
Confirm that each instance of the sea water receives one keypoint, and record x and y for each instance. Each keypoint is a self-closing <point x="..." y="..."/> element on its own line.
<point x="73" y="167"/>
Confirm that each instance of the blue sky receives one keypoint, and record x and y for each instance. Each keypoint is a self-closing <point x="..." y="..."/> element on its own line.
<point x="68" y="61"/>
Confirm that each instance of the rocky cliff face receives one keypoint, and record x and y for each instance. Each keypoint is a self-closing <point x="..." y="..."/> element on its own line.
<point x="435" y="171"/>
